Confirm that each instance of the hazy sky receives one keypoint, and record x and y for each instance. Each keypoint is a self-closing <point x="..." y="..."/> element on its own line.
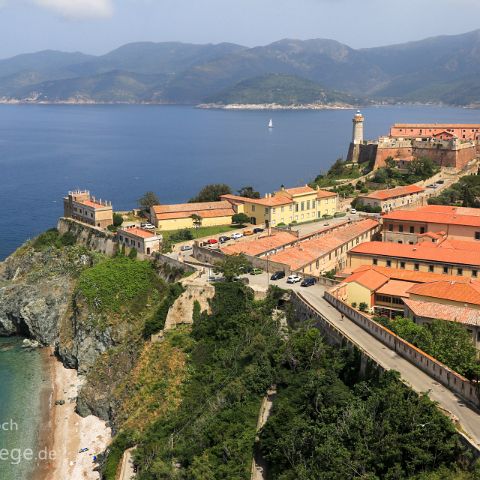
<point x="97" y="26"/>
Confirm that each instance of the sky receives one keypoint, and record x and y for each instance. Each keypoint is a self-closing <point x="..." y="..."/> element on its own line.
<point x="98" y="26"/>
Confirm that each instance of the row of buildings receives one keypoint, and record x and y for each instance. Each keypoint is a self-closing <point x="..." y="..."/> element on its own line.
<point x="427" y="267"/>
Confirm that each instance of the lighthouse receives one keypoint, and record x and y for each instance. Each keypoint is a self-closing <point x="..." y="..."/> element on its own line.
<point x="357" y="136"/>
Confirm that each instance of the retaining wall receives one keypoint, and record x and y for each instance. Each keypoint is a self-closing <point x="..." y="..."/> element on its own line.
<point x="435" y="369"/>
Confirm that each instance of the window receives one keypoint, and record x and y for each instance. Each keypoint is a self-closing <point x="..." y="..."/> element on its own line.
<point x="273" y="210"/>
<point x="402" y="265"/>
<point x="412" y="229"/>
<point x="283" y="209"/>
<point x="308" y="204"/>
<point x="296" y="207"/>
<point x="474" y="273"/>
<point x="400" y="241"/>
<point x="400" y="228"/>
<point x="445" y="269"/>
<point x="389" y="263"/>
<point x="266" y="211"/>
<point x="410" y="243"/>
<point x="430" y="268"/>
<point x="303" y="206"/>
<point x="253" y="208"/>
<point x="477" y="235"/>
<point x="416" y="267"/>
<point x="390" y="228"/>
<point x="459" y="271"/>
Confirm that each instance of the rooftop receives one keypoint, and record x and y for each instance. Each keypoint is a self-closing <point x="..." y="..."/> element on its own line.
<point x="396" y="288"/>
<point x="137" y="232"/>
<point x="185" y="210"/>
<point x="368" y="278"/>
<point x="438" y="214"/>
<point x="425" y="251"/>
<point x="436" y="125"/>
<point x="272" y="201"/>
<point x="260" y="245"/>
<point x="393" y="192"/>
<point x="452" y="313"/>
<point x="461" y="292"/>
<point x="309" y="251"/>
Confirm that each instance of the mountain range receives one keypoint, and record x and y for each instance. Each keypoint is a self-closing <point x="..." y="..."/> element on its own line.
<point x="444" y="69"/>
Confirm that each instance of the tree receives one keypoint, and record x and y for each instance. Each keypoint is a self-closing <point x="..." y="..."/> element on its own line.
<point x="211" y="193"/>
<point x="248" y="192"/>
<point x="148" y="200"/>
<point x="197" y="220"/>
<point x="233" y="266"/>
<point x="240" y="219"/>
<point x="117" y="220"/>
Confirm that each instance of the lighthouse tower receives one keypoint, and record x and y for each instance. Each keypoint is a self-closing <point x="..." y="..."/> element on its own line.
<point x="357" y="136"/>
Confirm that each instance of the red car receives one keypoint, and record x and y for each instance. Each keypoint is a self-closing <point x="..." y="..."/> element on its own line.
<point x="212" y="241"/>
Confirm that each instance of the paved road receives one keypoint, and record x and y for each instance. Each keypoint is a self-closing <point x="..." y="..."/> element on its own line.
<point x="468" y="418"/>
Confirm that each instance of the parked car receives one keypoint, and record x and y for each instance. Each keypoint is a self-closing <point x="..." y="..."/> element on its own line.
<point x="440" y="182"/>
<point x="224" y="239"/>
<point x="243" y="280"/>
<point x="236" y="236"/>
<point x="353" y="211"/>
<point x="294" y="278"/>
<point x="278" y="275"/>
<point x="256" y="271"/>
<point x="247" y="233"/>
<point x="258" y="230"/>
<point x="147" y="226"/>
<point x="185" y="248"/>
<point x="308" y="282"/>
<point x="212" y="241"/>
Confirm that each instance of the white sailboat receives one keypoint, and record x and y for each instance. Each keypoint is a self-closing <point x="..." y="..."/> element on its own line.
<point x="270" y="124"/>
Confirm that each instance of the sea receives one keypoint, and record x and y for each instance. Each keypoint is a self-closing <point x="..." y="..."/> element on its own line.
<point x="119" y="152"/>
<point x="22" y="377"/>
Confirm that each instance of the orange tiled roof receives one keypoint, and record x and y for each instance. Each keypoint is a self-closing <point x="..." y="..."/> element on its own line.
<point x="393" y="192"/>
<point x="191" y="207"/>
<point x="260" y="245"/>
<point x="273" y="201"/>
<point x="300" y="190"/>
<point x="452" y="313"/>
<point x="462" y="292"/>
<point x="325" y="194"/>
<point x="424" y="251"/>
<point x="437" y="125"/>
<point x="395" y="288"/>
<point x="92" y="204"/>
<point x="138" y="232"/>
<point x="438" y="214"/>
<point x="410" y="275"/>
<point x="227" y="212"/>
<point x="309" y="251"/>
<point x="368" y="278"/>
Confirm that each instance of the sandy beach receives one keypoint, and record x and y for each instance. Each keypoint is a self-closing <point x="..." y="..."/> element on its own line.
<point x="64" y="432"/>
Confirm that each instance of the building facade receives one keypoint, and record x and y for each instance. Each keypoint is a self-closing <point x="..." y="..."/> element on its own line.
<point x="421" y="130"/>
<point x="288" y="205"/>
<point x="174" y="217"/>
<point x="81" y="206"/>
<point x="144" y="241"/>
<point x="389" y="199"/>
<point x="456" y="223"/>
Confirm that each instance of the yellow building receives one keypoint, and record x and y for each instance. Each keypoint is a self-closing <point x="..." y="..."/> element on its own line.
<point x="82" y="206"/>
<point x="297" y="205"/>
<point x="174" y="217"/>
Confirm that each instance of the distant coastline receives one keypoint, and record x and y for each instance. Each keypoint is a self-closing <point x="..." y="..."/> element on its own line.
<point x="275" y="106"/>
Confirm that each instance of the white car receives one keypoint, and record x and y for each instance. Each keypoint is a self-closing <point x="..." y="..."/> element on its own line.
<point x="236" y="236"/>
<point x="185" y="248"/>
<point x="353" y="211"/>
<point x="147" y="226"/>
<point x="294" y="279"/>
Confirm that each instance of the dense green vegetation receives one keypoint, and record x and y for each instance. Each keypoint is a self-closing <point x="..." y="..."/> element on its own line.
<point x="119" y="282"/>
<point x="232" y="360"/>
<point x="340" y="170"/>
<point x="282" y="90"/>
<point x="448" y="342"/>
<point x="464" y="193"/>
<point x="327" y="421"/>
<point x="211" y="193"/>
<point x="52" y="238"/>
<point x="418" y="170"/>
<point x="329" y="424"/>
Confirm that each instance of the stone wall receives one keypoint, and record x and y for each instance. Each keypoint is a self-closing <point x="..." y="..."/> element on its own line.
<point x="89" y="236"/>
<point x="435" y="369"/>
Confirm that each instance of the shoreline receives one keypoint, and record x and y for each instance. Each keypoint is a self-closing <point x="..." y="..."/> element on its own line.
<point x="63" y="432"/>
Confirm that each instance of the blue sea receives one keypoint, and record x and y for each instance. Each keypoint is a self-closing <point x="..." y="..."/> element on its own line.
<point x="121" y="151"/>
<point x="22" y="377"/>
